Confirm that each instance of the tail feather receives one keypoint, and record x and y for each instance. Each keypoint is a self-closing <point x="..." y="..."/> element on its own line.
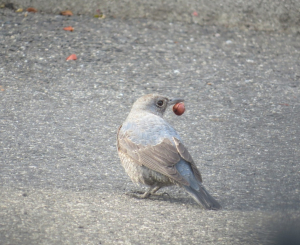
<point x="203" y="198"/>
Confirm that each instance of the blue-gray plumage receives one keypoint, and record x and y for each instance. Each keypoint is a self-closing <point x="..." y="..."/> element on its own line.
<point x="152" y="152"/>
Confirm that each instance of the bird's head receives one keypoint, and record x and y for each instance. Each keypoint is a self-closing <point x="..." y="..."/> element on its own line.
<point x="153" y="103"/>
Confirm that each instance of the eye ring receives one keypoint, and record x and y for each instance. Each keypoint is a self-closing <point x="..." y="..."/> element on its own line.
<point x="160" y="103"/>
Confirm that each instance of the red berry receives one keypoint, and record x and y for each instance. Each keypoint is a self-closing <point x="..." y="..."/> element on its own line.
<point x="179" y="108"/>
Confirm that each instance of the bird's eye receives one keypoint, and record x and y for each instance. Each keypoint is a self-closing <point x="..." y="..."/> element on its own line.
<point x="160" y="103"/>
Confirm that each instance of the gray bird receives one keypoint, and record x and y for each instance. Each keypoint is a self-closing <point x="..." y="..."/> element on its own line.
<point x="152" y="152"/>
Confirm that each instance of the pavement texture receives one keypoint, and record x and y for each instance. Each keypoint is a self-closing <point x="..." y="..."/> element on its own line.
<point x="267" y="15"/>
<point x="61" y="181"/>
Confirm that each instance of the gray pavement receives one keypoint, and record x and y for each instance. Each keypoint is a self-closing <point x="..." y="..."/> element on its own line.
<point x="61" y="181"/>
<point x="270" y="15"/>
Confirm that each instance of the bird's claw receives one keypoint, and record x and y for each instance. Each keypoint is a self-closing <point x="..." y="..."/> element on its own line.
<point x="144" y="195"/>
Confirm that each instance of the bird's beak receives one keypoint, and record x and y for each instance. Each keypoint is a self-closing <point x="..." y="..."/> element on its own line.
<point x="175" y="101"/>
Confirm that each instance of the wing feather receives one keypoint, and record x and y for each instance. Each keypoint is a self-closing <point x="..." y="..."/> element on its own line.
<point x="186" y="156"/>
<point x="161" y="157"/>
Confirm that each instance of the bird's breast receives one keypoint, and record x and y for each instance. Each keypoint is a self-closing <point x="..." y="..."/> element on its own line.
<point x="148" y="130"/>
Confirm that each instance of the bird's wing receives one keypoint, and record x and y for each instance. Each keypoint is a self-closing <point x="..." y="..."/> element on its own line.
<point x="161" y="157"/>
<point x="182" y="150"/>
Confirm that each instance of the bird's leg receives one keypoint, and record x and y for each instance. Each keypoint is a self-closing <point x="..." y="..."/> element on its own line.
<point x="141" y="195"/>
<point x="155" y="189"/>
<point x="150" y="192"/>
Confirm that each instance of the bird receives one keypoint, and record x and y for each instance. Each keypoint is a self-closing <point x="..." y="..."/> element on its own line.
<point x="153" y="154"/>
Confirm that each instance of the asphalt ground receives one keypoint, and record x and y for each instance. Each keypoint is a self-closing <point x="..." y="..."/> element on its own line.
<point x="263" y="15"/>
<point x="61" y="181"/>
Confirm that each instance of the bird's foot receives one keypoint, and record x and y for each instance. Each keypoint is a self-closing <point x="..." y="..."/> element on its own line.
<point x="138" y="194"/>
<point x="144" y="195"/>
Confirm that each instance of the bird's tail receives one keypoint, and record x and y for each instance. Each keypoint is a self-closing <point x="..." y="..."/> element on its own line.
<point x="203" y="198"/>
